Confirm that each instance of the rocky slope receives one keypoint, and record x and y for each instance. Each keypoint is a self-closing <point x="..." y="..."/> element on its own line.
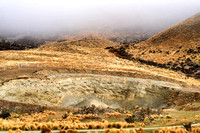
<point x="77" y="90"/>
<point x="177" y="48"/>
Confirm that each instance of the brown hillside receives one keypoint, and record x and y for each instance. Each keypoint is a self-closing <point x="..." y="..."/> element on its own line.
<point x="177" y="48"/>
<point x="77" y="45"/>
<point x="185" y="34"/>
<point x="54" y="75"/>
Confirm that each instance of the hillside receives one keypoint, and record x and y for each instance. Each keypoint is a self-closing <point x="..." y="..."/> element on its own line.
<point x="53" y="73"/>
<point x="177" y="48"/>
<point x="78" y="45"/>
<point x="185" y="34"/>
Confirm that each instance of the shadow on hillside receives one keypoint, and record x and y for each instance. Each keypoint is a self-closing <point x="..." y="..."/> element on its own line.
<point x="189" y="68"/>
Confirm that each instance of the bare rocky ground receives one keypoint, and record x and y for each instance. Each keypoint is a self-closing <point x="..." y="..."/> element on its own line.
<point x="75" y="90"/>
<point x="61" y="88"/>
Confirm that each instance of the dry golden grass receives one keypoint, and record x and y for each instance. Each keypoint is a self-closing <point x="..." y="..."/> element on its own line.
<point x="178" y="130"/>
<point x="38" y="121"/>
<point x="96" y="59"/>
<point x="51" y="120"/>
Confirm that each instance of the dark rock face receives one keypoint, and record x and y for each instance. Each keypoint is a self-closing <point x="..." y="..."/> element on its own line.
<point x="4" y="115"/>
<point x="190" y="68"/>
<point x="120" y="52"/>
<point x="130" y="119"/>
<point x="99" y="90"/>
<point x="198" y="48"/>
<point x="193" y="51"/>
<point x="188" y="126"/>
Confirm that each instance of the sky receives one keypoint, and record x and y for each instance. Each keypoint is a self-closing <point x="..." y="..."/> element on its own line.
<point x="71" y="15"/>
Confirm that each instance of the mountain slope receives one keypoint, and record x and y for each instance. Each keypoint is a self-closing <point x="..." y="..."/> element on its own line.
<point x="184" y="34"/>
<point x="78" y="45"/>
<point x="177" y="48"/>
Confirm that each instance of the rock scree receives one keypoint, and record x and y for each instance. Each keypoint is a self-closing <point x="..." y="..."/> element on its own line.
<point x="76" y="90"/>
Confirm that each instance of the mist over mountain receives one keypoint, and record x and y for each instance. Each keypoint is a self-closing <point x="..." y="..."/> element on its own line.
<point x="52" y="17"/>
<point x="99" y="65"/>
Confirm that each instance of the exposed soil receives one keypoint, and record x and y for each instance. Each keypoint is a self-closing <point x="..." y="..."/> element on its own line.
<point x="58" y="88"/>
<point x="18" y="107"/>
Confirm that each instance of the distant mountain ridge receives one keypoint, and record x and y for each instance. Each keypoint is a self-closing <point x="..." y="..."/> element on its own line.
<point x="20" y="44"/>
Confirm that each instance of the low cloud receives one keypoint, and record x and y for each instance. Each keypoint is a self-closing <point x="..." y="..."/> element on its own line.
<point x="43" y="16"/>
